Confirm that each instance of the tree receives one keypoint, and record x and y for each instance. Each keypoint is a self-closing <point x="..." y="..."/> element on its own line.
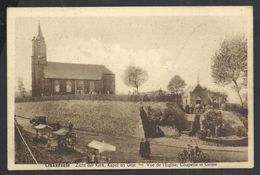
<point x="176" y="85"/>
<point x="229" y="64"/>
<point x="21" y="87"/>
<point x="135" y="77"/>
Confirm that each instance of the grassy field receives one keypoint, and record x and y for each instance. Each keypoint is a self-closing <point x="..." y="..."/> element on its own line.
<point x="110" y="117"/>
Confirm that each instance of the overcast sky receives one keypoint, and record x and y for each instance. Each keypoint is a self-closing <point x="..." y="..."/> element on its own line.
<point x="163" y="45"/>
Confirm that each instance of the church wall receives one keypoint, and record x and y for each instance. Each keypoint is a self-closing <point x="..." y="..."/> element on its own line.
<point x="203" y="94"/>
<point x="49" y="86"/>
<point x="109" y="83"/>
<point x="73" y="86"/>
<point x="86" y="87"/>
<point x="98" y="86"/>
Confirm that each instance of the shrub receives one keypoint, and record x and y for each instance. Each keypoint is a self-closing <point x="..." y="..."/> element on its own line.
<point x="244" y="120"/>
<point x="229" y="129"/>
<point x="201" y="158"/>
<point x="146" y="98"/>
<point x="201" y="134"/>
<point x="110" y="97"/>
<point x="212" y="120"/>
<point x="154" y="114"/>
<point x="241" y="132"/>
<point x="183" y="157"/>
<point x="173" y="115"/>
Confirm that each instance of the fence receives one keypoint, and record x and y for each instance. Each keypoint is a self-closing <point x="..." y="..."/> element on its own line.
<point x="108" y="97"/>
<point x="236" y="108"/>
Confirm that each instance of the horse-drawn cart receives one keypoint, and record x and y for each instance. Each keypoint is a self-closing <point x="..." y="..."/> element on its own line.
<point x="56" y="136"/>
<point x="61" y="139"/>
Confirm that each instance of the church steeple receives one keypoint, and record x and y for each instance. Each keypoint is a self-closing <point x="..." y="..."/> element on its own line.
<point x="39" y="60"/>
<point x="39" y="31"/>
<point x="39" y="46"/>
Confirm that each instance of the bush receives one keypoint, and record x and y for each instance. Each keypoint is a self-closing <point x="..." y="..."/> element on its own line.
<point x="241" y="132"/>
<point x="244" y="120"/>
<point x="183" y="157"/>
<point x="146" y="98"/>
<point x="212" y="120"/>
<point x="201" y="158"/>
<point x="110" y="97"/>
<point x="173" y="115"/>
<point x="229" y="128"/>
<point x="201" y="134"/>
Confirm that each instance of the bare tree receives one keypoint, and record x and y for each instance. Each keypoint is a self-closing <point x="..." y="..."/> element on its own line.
<point x="21" y="87"/>
<point x="176" y="85"/>
<point x="135" y="77"/>
<point x="229" y="64"/>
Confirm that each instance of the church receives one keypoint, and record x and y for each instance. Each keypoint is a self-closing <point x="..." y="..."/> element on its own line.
<point x="206" y="96"/>
<point x="55" y="78"/>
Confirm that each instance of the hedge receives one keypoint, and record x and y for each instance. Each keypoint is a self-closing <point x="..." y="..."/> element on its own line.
<point x="109" y="97"/>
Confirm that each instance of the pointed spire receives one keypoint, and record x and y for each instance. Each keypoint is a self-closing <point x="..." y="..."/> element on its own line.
<point x="39" y="30"/>
<point x="198" y="79"/>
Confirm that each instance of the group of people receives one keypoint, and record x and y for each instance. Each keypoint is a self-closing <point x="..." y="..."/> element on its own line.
<point x="145" y="149"/>
<point x="95" y="157"/>
<point x="192" y="153"/>
<point x="198" y="108"/>
<point x="216" y="131"/>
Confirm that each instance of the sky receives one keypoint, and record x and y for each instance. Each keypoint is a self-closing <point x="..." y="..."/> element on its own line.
<point x="164" y="46"/>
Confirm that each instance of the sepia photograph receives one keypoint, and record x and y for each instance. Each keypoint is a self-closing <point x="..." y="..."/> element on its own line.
<point x="130" y="88"/>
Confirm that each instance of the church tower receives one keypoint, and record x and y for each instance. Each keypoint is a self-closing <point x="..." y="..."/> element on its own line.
<point x="39" y="60"/>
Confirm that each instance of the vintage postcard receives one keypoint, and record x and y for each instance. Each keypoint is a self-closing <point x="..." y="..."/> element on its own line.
<point x="130" y="88"/>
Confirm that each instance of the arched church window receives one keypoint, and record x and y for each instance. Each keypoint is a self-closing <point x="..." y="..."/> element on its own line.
<point x="80" y="87"/>
<point x="68" y="86"/>
<point x="56" y="86"/>
<point x="91" y="87"/>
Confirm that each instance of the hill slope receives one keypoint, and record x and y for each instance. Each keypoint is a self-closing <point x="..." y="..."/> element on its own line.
<point x="111" y="117"/>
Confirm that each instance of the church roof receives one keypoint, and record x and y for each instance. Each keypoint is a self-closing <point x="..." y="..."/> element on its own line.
<point x="199" y="88"/>
<point x="191" y="89"/>
<point x="75" y="71"/>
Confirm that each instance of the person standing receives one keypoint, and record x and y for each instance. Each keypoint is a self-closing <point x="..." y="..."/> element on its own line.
<point x="189" y="151"/>
<point x="92" y="157"/>
<point x="97" y="158"/>
<point x="147" y="149"/>
<point x="192" y="152"/>
<point x="142" y="149"/>
<point x="70" y="126"/>
<point x="197" y="150"/>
